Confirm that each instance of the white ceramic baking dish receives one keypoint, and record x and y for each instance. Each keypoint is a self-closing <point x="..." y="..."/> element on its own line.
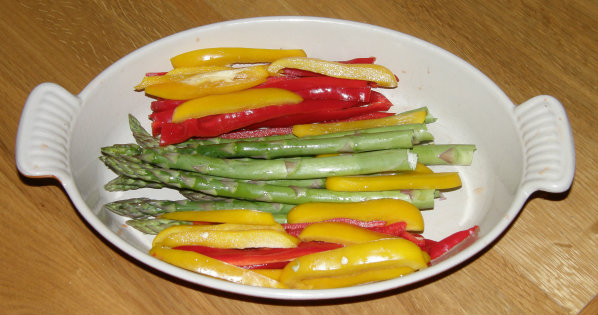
<point x="521" y="148"/>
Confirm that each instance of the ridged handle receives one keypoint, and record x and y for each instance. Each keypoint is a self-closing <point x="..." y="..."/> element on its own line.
<point x="42" y="148"/>
<point x="548" y="145"/>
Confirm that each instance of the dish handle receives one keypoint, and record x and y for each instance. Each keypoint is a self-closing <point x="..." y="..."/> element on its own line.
<point x="548" y="145"/>
<point x="42" y="147"/>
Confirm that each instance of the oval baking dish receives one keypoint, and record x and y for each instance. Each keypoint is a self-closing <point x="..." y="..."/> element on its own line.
<point x="520" y="148"/>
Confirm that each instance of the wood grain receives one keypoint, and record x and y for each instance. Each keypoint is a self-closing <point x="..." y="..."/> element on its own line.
<point x="53" y="262"/>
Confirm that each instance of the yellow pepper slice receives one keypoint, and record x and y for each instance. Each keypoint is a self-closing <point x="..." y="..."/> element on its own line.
<point x="340" y="233"/>
<point x="231" y="55"/>
<point x="208" y="83"/>
<point x="351" y="280"/>
<point x="250" y="238"/>
<point x="368" y="72"/>
<point x="233" y="102"/>
<point x="389" y="210"/>
<point x="213" y="267"/>
<point x="177" y="75"/>
<point x="415" y="117"/>
<point x="270" y="273"/>
<point x="354" y="264"/>
<point x="183" y="229"/>
<point x="241" y="216"/>
<point x="445" y="180"/>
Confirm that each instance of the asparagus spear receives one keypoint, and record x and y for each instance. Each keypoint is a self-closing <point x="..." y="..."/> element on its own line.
<point x="155" y="226"/>
<point x="145" y="207"/>
<point x="402" y="139"/>
<point x="244" y="190"/>
<point x="290" y="168"/>
<point x="123" y="183"/>
<point x="444" y="154"/>
<point x="142" y="137"/>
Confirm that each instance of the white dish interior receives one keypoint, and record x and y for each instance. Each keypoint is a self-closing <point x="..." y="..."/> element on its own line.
<point x="470" y="109"/>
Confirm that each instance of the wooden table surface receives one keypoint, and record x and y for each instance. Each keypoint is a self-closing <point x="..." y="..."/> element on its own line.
<point x="547" y="262"/>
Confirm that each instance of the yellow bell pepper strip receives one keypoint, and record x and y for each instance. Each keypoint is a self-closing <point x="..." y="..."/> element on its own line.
<point x="233" y="102"/>
<point x="213" y="267"/>
<point x="192" y="229"/>
<point x="381" y="75"/>
<point x="252" y="238"/>
<point x="341" y="233"/>
<point x="389" y="210"/>
<point x="270" y="273"/>
<point x="413" y="117"/>
<point x="354" y="264"/>
<point x="209" y="83"/>
<point x="240" y="216"/>
<point x="231" y="55"/>
<point x="440" y="181"/>
<point x="176" y="75"/>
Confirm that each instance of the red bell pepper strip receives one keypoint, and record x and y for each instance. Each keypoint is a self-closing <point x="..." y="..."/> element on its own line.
<point x="162" y="105"/>
<point x="304" y="83"/>
<point x="456" y="241"/>
<point x="361" y="94"/>
<point x="260" y="256"/>
<point x="325" y="115"/>
<point x="215" y="125"/>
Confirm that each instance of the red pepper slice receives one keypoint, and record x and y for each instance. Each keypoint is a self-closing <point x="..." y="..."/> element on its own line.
<point x="374" y="115"/>
<point x="458" y="240"/>
<point x="361" y="94"/>
<point x="162" y="105"/>
<point x="260" y="256"/>
<point x="215" y="125"/>
<point x="324" y="115"/>
<point x="304" y="83"/>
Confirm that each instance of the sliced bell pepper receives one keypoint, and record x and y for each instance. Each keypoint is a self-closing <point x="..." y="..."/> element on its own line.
<point x="176" y="75"/>
<point x="305" y="83"/>
<point x="212" y="267"/>
<point x="253" y="257"/>
<point x="361" y="94"/>
<point x="456" y="241"/>
<point x="325" y="114"/>
<point x="231" y="55"/>
<point x="354" y="264"/>
<point x="215" y="125"/>
<point x="444" y="180"/>
<point x="164" y="105"/>
<point x="181" y="230"/>
<point x="233" y="102"/>
<point x="382" y="76"/>
<point x="231" y="239"/>
<point x="210" y="83"/>
<point x="389" y="210"/>
<point x="239" y="216"/>
<point x="273" y="273"/>
<point x="337" y="232"/>
<point x="412" y="117"/>
<point x="304" y="73"/>
<point x="296" y="228"/>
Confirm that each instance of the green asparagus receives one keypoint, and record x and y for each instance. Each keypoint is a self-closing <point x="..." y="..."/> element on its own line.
<point x="145" y="207"/>
<point x="444" y="154"/>
<point x="423" y="199"/>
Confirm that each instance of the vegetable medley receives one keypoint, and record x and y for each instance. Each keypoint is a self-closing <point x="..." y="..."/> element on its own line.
<point x="293" y="171"/>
